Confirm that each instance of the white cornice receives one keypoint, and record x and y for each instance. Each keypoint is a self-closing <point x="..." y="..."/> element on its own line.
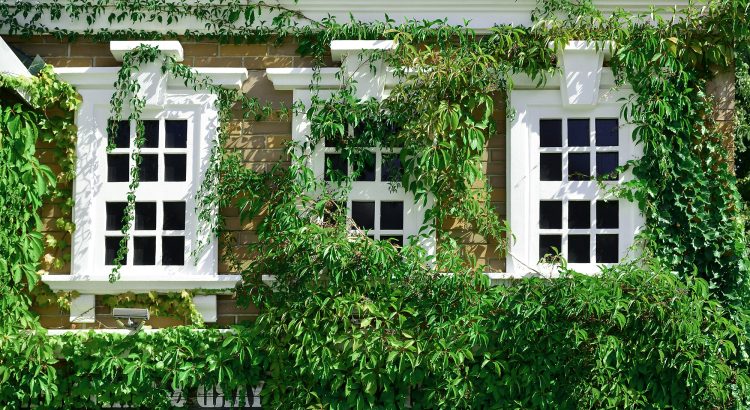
<point x="169" y="48"/>
<point x="105" y="77"/>
<point x="480" y="14"/>
<point x="154" y="283"/>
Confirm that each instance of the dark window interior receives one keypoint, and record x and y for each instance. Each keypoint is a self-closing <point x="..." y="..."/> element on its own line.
<point x="174" y="216"/>
<point x="607" y="214"/>
<point x="118" y="168"/>
<point x="145" y="215"/>
<point x="579" y="166"/>
<point x="122" y="137"/>
<point x="115" y="212"/>
<point x="607" y="132"/>
<point x="579" y="214"/>
<point x="363" y="214"/>
<point x="391" y="215"/>
<point x="547" y="243"/>
<point x="144" y="250"/>
<point x="606" y="163"/>
<point x="550" y="214"/>
<point x="173" y="250"/>
<point x="151" y="133"/>
<point x="175" y="133"/>
<point x="149" y="167"/>
<point x="550" y="167"/>
<point x="607" y="248"/>
<point x="111" y="245"/>
<point x="175" y="167"/>
<point x="578" y="132"/>
<point x="579" y="249"/>
<point x="550" y="133"/>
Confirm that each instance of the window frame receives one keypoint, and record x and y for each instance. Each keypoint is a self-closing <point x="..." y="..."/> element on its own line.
<point x="527" y="190"/>
<point x="92" y="190"/>
<point x="377" y="190"/>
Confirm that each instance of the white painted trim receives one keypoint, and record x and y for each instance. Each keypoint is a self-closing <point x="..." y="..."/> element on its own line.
<point x="10" y="63"/>
<point x="83" y="309"/>
<point x="480" y="15"/>
<point x="104" y="77"/>
<point x="206" y="306"/>
<point x="170" y="48"/>
<point x="340" y="49"/>
<point x="288" y="79"/>
<point x="159" y="283"/>
<point x="525" y="190"/>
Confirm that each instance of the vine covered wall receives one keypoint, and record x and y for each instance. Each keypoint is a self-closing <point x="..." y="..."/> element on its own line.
<point x="352" y="322"/>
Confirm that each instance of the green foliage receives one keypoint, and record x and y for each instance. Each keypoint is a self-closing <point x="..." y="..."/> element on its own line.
<point x="354" y="322"/>
<point x="90" y="370"/>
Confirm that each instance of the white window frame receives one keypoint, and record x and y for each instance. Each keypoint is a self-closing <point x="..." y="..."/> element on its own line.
<point x="166" y="98"/>
<point x="368" y="85"/>
<point x="200" y="112"/>
<point x="584" y="90"/>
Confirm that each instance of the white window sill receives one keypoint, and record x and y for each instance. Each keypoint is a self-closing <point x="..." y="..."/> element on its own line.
<point x="154" y="283"/>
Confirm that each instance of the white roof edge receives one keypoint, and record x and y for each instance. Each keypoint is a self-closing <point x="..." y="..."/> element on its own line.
<point x="172" y="48"/>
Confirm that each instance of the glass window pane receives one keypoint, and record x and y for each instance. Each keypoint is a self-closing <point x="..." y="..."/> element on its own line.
<point x="365" y="167"/>
<point x="392" y="215"/>
<point x="607" y="214"/>
<point x="151" y="133"/>
<point x="579" y="214"/>
<point x="396" y="240"/>
<point x="144" y="252"/>
<point x="579" y="167"/>
<point x="363" y="214"/>
<point x="115" y="212"/>
<point x="391" y="169"/>
<point x="122" y="137"/>
<point x="111" y="245"/>
<point x="175" y="167"/>
<point x="579" y="248"/>
<point x="336" y="168"/>
<point x="149" y="168"/>
<point x="173" y="250"/>
<point x="175" y="133"/>
<point x="550" y="167"/>
<point x="118" y="168"/>
<point x="606" y="163"/>
<point x="550" y="214"/>
<point x="174" y="216"/>
<point x="607" y="132"/>
<point x="607" y="248"/>
<point x="578" y="132"/>
<point x="548" y="244"/>
<point x="550" y="133"/>
<point x="145" y="215"/>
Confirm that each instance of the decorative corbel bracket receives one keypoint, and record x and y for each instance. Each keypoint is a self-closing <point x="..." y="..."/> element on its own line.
<point x="581" y="64"/>
<point x="355" y="59"/>
<point x="153" y="83"/>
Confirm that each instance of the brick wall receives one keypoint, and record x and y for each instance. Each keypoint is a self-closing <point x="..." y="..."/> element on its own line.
<point x="261" y="143"/>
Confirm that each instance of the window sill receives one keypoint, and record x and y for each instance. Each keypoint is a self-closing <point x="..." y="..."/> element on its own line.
<point x="154" y="283"/>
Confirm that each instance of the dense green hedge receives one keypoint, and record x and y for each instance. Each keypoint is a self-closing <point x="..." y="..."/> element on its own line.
<point x="631" y="338"/>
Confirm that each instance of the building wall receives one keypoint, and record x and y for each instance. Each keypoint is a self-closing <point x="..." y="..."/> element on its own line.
<point x="261" y="143"/>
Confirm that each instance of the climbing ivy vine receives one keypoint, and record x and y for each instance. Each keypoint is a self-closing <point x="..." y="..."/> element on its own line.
<point x="353" y="322"/>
